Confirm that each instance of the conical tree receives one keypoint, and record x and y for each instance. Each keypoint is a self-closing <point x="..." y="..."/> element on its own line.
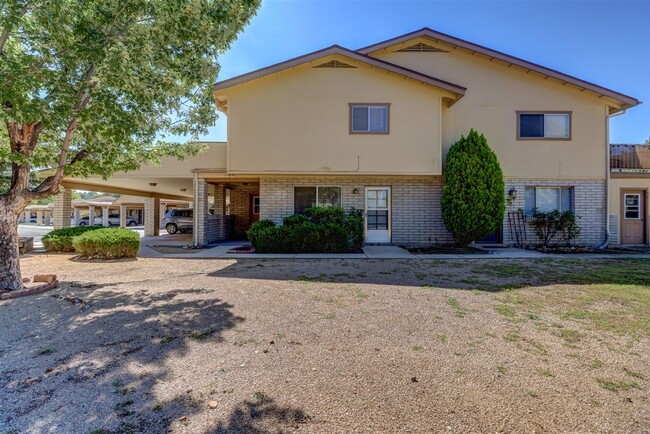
<point x="473" y="196"/>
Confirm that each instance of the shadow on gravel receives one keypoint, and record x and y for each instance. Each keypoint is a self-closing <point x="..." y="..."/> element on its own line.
<point x="262" y="416"/>
<point x="484" y="275"/>
<point x="76" y="360"/>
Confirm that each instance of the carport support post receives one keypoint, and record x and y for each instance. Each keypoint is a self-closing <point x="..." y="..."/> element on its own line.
<point x="62" y="205"/>
<point x="91" y="215"/>
<point x="122" y="216"/>
<point x="105" y="216"/>
<point x="39" y="217"/>
<point x="28" y="216"/>
<point x="76" y="216"/>
<point x="151" y="216"/>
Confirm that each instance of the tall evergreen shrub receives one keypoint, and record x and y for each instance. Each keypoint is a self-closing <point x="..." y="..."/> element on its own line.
<point x="473" y="195"/>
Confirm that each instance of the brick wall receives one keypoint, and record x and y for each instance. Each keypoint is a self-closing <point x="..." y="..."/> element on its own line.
<point x="240" y="198"/>
<point x="589" y="202"/>
<point x="415" y="202"/>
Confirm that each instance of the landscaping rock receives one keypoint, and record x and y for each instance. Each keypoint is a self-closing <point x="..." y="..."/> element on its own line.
<point x="44" y="278"/>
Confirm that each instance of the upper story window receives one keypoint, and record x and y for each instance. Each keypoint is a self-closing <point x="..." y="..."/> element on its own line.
<point x="369" y="118"/>
<point x="544" y="125"/>
<point x="546" y="199"/>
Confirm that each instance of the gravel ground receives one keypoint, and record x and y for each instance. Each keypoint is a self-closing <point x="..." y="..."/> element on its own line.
<point x="321" y="346"/>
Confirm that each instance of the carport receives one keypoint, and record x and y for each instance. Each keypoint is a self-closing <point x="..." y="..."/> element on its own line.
<point x="224" y="205"/>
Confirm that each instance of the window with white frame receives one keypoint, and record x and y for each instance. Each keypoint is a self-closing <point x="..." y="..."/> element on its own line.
<point x="369" y="118"/>
<point x="540" y="126"/>
<point x="546" y="199"/>
<point x="309" y="196"/>
<point x="256" y="204"/>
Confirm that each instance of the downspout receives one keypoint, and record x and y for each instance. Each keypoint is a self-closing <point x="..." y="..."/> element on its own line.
<point x="607" y="180"/>
<point x="194" y="215"/>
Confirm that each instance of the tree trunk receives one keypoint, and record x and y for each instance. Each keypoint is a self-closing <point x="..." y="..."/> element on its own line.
<point x="10" y="277"/>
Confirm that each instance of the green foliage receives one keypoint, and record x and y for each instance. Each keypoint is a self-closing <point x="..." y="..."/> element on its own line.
<point x="60" y="240"/>
<point x="132" y="78"/>
<point x="107" y="243"/>
<point x="318" y="230"/>
<point x="555" y="227"/>
<point x="473" y="196"/>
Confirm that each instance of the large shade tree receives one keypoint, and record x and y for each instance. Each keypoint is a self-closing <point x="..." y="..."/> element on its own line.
<point x="98" y="86"/>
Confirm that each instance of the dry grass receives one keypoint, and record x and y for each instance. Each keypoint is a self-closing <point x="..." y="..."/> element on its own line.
<point x="329" y="346"/>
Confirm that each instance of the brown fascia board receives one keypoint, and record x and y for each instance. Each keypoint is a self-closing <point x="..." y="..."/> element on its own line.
<point x="336" y="49"/>
<point x="626" y="100"/>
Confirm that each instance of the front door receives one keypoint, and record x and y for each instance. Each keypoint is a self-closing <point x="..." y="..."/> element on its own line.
<point x="378" y="215"/>
<point x="633" y="222"/>
<point x="254" y="208"/>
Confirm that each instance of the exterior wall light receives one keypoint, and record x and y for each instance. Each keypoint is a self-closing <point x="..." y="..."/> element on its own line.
<point x="355" y="191"/>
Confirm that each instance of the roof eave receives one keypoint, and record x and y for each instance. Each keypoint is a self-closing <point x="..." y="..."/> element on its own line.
<point x="625" y="100"/>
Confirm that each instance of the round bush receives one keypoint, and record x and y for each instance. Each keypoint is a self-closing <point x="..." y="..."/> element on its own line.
<point x="107" y="243"/>
<point x="60" y="240"/>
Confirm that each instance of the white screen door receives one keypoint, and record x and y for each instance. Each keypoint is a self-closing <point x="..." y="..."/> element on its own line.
<point x="377" y="214"/>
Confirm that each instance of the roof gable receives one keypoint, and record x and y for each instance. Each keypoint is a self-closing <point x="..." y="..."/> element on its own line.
<point x="404" y="42"/>
<point x="353" y="56"/>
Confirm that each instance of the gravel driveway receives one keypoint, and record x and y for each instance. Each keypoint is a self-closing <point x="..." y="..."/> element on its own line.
<point x="328" y="346"/>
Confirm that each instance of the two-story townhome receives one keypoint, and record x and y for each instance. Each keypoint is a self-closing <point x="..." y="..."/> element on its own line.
<point x="369" y="129"/>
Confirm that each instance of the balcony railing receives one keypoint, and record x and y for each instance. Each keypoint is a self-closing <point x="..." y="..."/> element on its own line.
<point x="630" y="158"/>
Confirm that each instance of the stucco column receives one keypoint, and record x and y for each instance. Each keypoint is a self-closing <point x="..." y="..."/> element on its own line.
<point x="39" y="217"/>
<point x="122" y="216"/>
<point x="62" y="205"/>
<point x="76" y="216"/>
<point x="151" y="216"/>
<point x="105" y="216"/>
<point x="28" y="215"/>
<point x="91" y="215"/>
<point x="47" y="217"/>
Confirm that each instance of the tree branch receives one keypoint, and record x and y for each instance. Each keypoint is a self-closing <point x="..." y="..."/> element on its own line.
<point x="4" y="35"/>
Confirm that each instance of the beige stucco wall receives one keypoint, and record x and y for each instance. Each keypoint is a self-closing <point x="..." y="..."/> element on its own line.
<point x="494" y="93"/>
<point x="298" y="121"/>
<point x="616" y="185"/>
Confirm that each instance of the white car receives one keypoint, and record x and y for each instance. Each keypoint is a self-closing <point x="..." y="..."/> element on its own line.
<point x="114" y="220"/>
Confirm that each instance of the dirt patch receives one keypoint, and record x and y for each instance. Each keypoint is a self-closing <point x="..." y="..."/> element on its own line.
<point x="550" y="345"/>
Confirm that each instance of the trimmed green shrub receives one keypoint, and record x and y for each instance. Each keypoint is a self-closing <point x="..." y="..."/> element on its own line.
<point x="60" y="240"/>
<point x="473" y="195"/>
<point x="318" y="230"/>
<point x="107" y="243"/>
<point x="322" y="215"/>
<point x="555" y="227"/>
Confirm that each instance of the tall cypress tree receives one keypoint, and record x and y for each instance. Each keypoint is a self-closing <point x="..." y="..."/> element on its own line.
<point x="473" y="196"/>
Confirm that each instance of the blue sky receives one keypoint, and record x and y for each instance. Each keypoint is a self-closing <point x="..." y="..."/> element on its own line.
<point x="606" y="42"/>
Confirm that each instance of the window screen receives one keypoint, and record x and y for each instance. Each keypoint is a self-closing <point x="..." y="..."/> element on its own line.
<point x="531" y="125"/>
<point x="369" y="119"/>
<point x="303" y="198"/>
<point x="360" y="119"/>
<point x="545" y="199"/>
<point x="307" y="197"/>
<point x="544" y="125"/>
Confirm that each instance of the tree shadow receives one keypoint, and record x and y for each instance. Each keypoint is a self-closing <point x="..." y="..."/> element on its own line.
<point x="261" y="416"/>
<point x="87" y="357"/>
<point x="491" y="275"/>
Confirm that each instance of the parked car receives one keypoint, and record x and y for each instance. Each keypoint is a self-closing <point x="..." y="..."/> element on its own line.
<point x="83" y="221"/>
<point x="178" y="220"/>
<point x="114" y="220"/>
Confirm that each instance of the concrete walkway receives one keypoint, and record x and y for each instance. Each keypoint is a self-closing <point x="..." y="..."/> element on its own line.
<point x="220" y="251"/>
